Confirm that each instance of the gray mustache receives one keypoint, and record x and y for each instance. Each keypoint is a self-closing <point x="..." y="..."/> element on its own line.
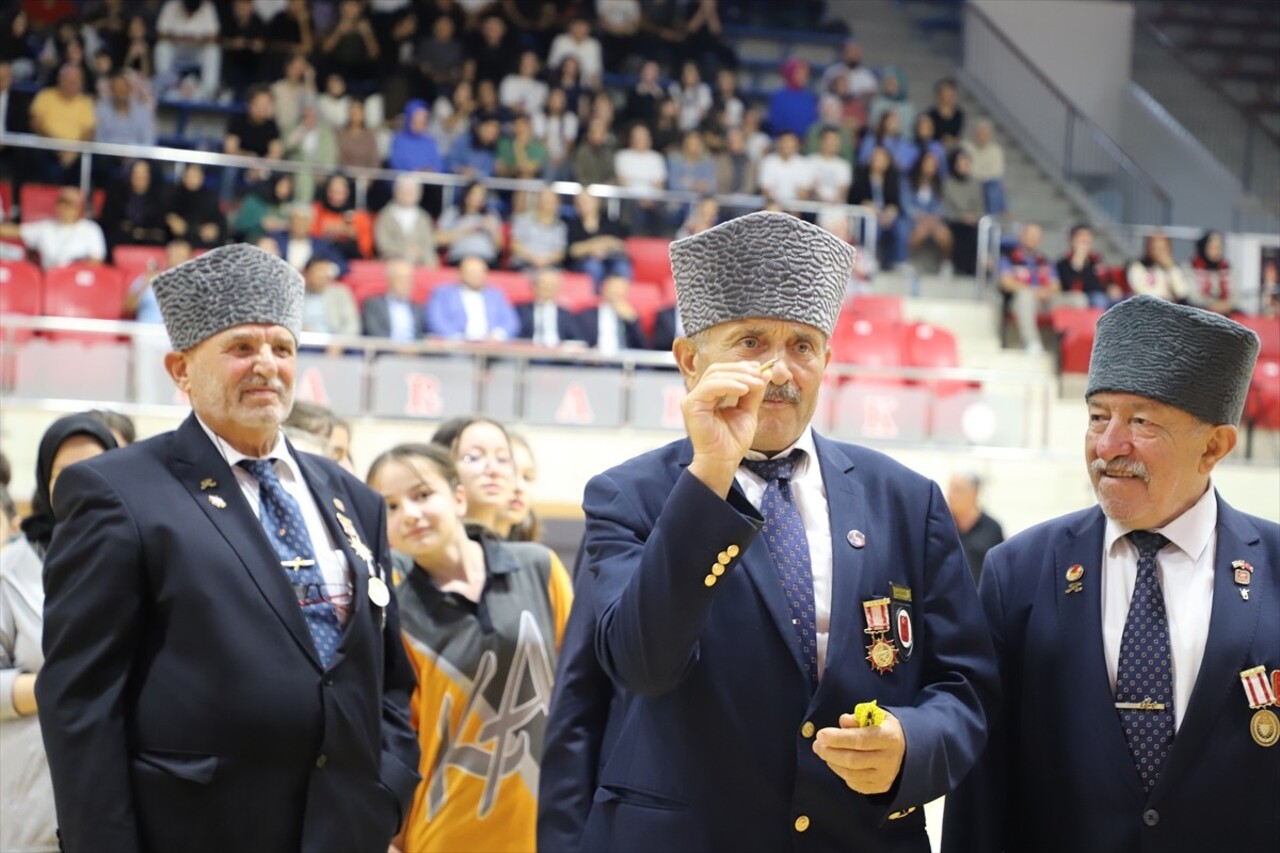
<point x="788" y="393"/>
<point x="1131" y="467"/>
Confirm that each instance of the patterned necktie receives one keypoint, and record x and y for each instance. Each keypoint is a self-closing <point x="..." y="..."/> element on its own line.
<point x="1144" y="675"/>
<point x="281" y="518"/>
<point x="789" y="547"/>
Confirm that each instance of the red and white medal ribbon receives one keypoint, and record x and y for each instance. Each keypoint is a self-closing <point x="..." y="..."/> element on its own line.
<point x="1258" y="687"/>
<point x="877" y="613"/>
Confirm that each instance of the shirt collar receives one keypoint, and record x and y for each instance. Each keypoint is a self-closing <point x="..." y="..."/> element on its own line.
<point x="804" y="442"/>
<point x="278" y="452"/>
<point x="1190" y="531"/>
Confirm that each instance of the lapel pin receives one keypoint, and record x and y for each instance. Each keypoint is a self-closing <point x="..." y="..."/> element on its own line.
<point x="1074" y="574"/>
<point x="1244" y="593"/>
<point x="1241" y="564"/>
<point x="857" y="539"/>
<point x="337" y="502"/>
<point x="217" y="501"/>
<point x="208" y="483"/>
<point x="1243" y="577"/>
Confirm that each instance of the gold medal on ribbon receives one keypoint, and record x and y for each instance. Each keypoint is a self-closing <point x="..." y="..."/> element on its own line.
<point x="882" y="654"/>
<point x="1265" y="727"/>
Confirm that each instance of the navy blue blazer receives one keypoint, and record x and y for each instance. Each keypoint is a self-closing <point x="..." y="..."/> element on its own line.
<point x="375" y="317"/>
<point x="182" y="702"/>
<point x="1057" y="773"/>
<point x="631" y="335"/>
<point x="713" y="751"/>
<point x="566" y="322"/>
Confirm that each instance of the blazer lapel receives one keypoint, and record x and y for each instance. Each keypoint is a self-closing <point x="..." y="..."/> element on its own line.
<point x="196" y="461"/>
<point x="757" y="564"/>
<point x="847" y="505"/>
<point x="331" y="504"/>
<point x="1232" y="624"/>
<point x="1080" y="620"/>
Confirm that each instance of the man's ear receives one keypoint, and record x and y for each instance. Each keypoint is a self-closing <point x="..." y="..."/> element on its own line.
<point x="1219" y="441"/>
<point x="175" y="364"/>
<point x="686" y="353"/>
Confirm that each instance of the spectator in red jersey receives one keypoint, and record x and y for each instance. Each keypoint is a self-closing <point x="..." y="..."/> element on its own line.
<point x="1030" y="283"/>
<point x="1083" y="275"/>
<point x="1211" y="274"/>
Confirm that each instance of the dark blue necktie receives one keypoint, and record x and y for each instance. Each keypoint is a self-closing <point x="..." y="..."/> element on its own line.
<point x="789" y="547"/>
<point x="281" y="518"/>
<point x="1144" y="675"/>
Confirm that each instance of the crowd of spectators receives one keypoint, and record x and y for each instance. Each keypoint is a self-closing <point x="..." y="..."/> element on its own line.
<point x="507" y="89"/>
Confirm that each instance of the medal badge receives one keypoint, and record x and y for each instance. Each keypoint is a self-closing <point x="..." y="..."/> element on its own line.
<point x="1243" y="577"/>
<point x="903" y="628"/>
<point x="1264" y="726"/>
<point x="881" y="653"/>
<point x="1074" y="574"/>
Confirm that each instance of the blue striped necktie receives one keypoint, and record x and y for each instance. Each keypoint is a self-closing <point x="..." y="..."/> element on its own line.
<point x="281" y="518"/>
<point x="789" y="547"/>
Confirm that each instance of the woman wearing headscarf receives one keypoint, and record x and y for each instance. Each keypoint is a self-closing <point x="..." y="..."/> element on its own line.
<point x="336" y="219"/>
<point x="133" y="210"/>
<point x="265" y="208"/>
<point x="793" y="107"/>
<point x="27" y="819"/>
<point x="194" y="211"/>
<point x="413" y="148"/>
<point x="892" y="96"/>
<point x="1211" y="274"/>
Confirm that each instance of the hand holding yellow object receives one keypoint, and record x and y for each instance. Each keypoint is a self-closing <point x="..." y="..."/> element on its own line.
<point x="868" y="714"/>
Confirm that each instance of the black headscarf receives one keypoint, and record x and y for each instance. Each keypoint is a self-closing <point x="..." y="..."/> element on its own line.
<point x="38" y="526"/>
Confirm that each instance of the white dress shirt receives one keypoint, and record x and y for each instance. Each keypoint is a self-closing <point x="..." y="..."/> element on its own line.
<point x="607" y="328"/>
<point x="810" y="495"/>
<point x="1184" y="568"/>
<point x="546" y="324"/>
<point x="331" y="558"/>
<point x="477" y="315"/>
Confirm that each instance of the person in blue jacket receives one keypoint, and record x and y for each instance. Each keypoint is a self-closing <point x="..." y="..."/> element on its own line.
<point x="746" y="588"/>
<point x="1138" y="640"/>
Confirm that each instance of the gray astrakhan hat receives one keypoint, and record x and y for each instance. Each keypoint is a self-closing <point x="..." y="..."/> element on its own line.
<point x="1190" y="358"/>
<point x="226" y="287"/>
<point x="764" y="264"/>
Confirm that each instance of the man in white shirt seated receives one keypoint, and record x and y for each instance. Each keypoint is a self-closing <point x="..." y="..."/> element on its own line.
<point x="188" y="33"/>
<point x="832" y="174"/>
<point x="786" y="175"/>
<point x="544" y="320"/>
<point x="68" y="238"/>
<point x="614" y="324"/>
<point x="579" y="43"/>
<point x="394" y="314"/>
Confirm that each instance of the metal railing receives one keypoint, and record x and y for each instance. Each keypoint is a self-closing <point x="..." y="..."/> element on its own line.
<point x="862" y="220"/>
<point x="523" y="383"/>
<point x="1044" y="120"/>
<point x="1237" y="139"/>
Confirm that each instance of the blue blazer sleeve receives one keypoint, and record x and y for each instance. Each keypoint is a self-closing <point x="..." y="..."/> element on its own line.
<point x="946" y="725"/>
<point x="501" y="314"/>
<point x="444" y="314"/>
<point x="655" y="580"/>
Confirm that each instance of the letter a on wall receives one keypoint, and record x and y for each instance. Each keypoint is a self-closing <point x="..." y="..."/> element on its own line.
<point x="575" y="406"/>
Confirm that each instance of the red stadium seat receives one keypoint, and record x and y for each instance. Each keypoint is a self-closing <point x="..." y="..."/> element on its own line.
<point x="878" y="306"/>
<point x="1075" y="329"/>
<point x="577" y="291"/>
<point x="870" y="343"/>
<point x="1268" y="329"/>
<point x="649" y="259"/>
<point x="926" y="345"/>
<point x="647" y="298"/>
<point x="133" y="261"/>
<point x="364" y="286"/>
<point x="21" y="292"/>
<point x="6" y="199"/>
<point x="40" y="201"/>
<point x="89" y="291"/>
<point x="1263" y="406"/>
<point x="517" y="285"/>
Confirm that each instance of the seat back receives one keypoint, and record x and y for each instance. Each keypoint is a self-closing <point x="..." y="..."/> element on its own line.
<point x="649" y="259"/>
<point x="89" y="291"/>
